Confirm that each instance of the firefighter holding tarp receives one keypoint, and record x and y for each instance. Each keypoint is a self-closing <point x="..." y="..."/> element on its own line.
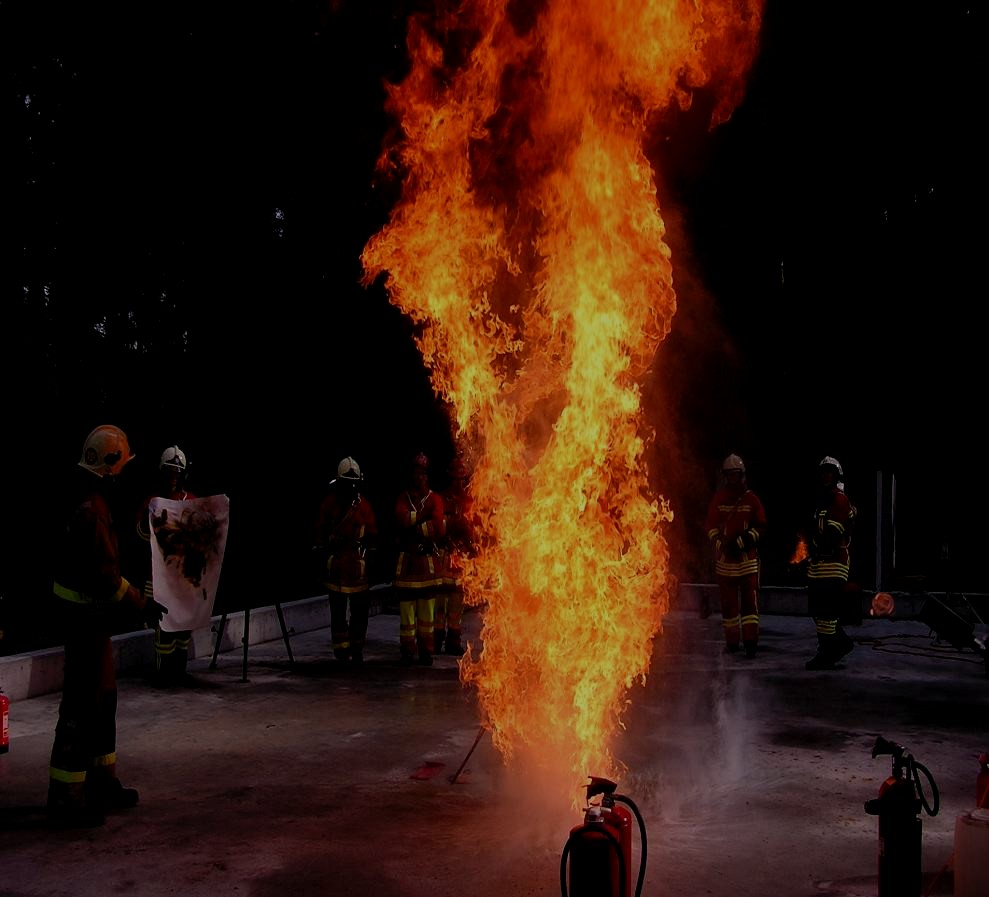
<point x="171" y="648"/>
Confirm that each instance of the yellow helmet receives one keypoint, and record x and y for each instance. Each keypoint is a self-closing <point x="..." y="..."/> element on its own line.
<point x="105" y="451"/>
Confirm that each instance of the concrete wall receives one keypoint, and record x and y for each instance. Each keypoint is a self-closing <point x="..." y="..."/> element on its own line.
<point x="40" y="672"/>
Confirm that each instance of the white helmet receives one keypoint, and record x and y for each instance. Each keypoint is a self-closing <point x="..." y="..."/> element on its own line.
<point x="173" y="456"/>
<point x="733" y="462"/>
<point x="105" y="451"/>
<point x="828" y="461"/>
<point x="349" y="469"/>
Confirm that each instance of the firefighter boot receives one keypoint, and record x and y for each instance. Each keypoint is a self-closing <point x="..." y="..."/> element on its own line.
<point x="843" y="644"/>
<point x="826" y="655"/>
<point x="425" y="652"/>
<point x="105" y="790"/>
<point x="67" y="807"/>
<point x="453" y="645"/>
<point x="407" y="645"/>
<point x="750" y="648"/>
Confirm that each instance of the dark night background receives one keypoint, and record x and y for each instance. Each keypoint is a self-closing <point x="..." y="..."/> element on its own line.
<point x="187" y="191"/>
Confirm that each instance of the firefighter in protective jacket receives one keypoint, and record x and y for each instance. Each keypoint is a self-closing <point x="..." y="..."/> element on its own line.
<point x="346" y="530"/>
<point x="419" y="571"/>
<point x="828" y="565"/>
<point x="458" y="505"/>
<point x="736" y="524"/>
<point x="92" y="601"/>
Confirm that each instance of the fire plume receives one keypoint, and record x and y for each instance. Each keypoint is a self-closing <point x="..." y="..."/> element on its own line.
<point x="528" y="248"/>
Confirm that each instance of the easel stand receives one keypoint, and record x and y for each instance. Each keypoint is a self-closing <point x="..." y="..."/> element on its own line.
<point x="247" y="638"/>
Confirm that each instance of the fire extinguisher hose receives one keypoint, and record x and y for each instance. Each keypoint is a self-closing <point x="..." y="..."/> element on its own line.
<point x="930" y="808"/>
<point x="622" y="798"/>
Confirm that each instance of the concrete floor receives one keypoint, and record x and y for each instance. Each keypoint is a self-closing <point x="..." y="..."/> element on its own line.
<point x="322" y="779"/>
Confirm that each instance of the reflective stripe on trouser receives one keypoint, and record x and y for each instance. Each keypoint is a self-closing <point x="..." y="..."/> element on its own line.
<point x="416" y="622"/>
<point x="824" y="603"/>
<point x="339" y="630"/>
<point x="172" y="650"/>
<point x="449" y="610"/>
<point x="739" y="607"/>
<point x="86" y="731"/>
<point x="348" y="633"/>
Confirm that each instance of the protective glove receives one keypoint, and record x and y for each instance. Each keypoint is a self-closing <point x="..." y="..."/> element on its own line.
<point x="153" y="612"/>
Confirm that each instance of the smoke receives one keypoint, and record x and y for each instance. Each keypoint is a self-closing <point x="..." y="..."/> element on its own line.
<point x="691" y="740"/>
<point x="692" y="400"/>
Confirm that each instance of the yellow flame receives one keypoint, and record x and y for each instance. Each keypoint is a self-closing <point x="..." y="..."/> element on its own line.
<point x="529" y="246"/>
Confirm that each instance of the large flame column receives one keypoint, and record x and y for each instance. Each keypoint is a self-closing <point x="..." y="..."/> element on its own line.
<point x="528" y="246"/>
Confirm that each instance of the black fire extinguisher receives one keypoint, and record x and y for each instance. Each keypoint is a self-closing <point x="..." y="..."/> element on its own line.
<point x="599" y="850"/>
<point x="901" y="798"/>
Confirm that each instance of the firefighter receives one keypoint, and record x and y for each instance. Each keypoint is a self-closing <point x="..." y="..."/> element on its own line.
<point x="736" y="524"/>
<point x="458" y="544"/>
<point x="828" y="564"/>
<point x="419" y="572"/>
<point x="91" y="600"/>
<point x="345" y="531"/>
<point x="171" y="648"/>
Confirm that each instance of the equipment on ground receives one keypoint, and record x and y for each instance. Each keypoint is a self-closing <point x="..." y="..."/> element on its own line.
<point x="901" y="798"/>
<point x="600" y="849"/>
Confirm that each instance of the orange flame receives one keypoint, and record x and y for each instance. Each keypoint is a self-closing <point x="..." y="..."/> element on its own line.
<point x="529" y="248"/>
<point x="800" y="551"/>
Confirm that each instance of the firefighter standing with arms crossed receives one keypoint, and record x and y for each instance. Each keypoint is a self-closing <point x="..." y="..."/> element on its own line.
<point x="420" y="528"/>
<point x="828" y="565"/>
<point x="345" y="530"/>
<point x="92" y="601"/>
<point x="736" y="524"/>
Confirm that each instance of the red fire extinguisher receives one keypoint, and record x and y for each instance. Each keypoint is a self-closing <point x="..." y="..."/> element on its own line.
<point x="982" y="783"/>
<point x="5" y="713"/>
<point x="600" y="849"/>
<point x="898" y="807"/>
